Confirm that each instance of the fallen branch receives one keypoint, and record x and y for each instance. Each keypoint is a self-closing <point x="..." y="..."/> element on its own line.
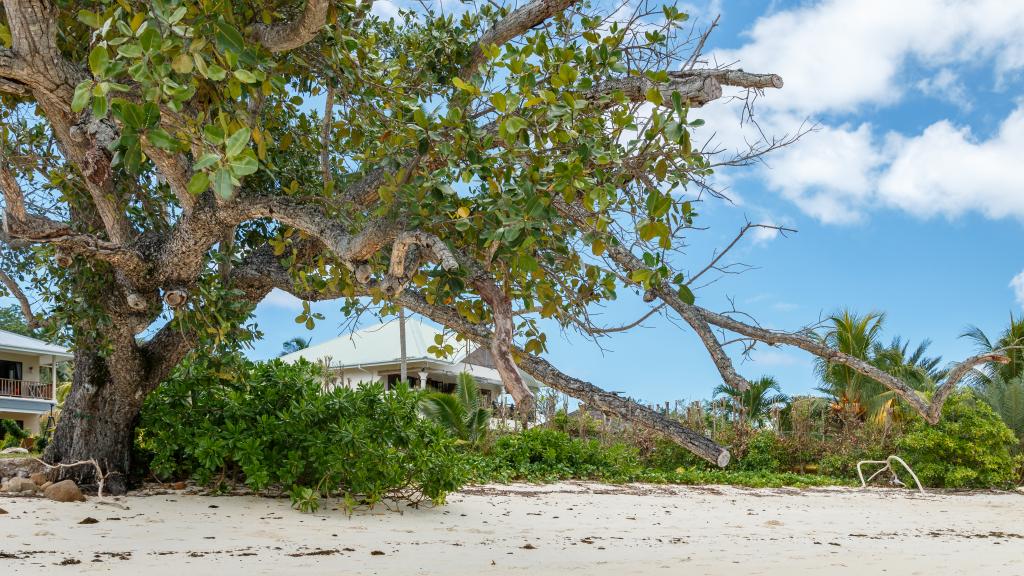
<point x="100" y="478"/>
<point x="888" y="466"/>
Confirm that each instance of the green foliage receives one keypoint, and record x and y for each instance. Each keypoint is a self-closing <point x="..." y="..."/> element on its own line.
<point x="12" y="320"/>
<point x="272" y="425"/>
<point x="461" y="413"/>
<point x="762" y="453"/>
<point x="10" y="430"/>
<point x="1006" y="398"/>
<point x="542" y="454"/>
<point x="970" y="447"/>
<point x="755" y="404"/>
<point x="859" y="335"/>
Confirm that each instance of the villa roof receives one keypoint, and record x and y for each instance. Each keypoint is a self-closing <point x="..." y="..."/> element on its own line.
<point x="379" y="344"/>
<point x="27" y="345"/>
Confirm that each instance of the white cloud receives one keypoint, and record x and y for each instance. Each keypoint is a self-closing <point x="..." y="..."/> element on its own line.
<point x="829" y="174"/>
<point x="840" y="54"/>
<point x="946" y="85"/>
<point x="946" y="171"/>
<point x="1018" y="287"/>
<point x="843" y="57"/>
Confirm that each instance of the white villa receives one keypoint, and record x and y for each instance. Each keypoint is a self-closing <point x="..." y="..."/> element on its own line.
<point x="374" y="354"/>
<point x="27" y="396"/>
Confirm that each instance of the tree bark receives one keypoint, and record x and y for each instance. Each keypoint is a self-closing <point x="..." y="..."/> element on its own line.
<point x="97" y="422"/>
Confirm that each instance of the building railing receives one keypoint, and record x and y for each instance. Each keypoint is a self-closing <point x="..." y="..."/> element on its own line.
<point x="25" y="389"/>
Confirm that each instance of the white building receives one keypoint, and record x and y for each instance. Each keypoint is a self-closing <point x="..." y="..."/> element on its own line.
<point x="374" y="355"/>
<point x="27" y="395"/>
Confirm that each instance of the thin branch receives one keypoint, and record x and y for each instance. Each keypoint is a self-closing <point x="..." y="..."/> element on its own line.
<point x="730" y="246"/>
<point x="19" y="294"/>
<point x="629" y="326"/>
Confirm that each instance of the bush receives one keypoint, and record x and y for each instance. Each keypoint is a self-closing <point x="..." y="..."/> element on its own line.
<point x="272" y="424"/>
<point x="542" y="454"/>
<point x="969" y="447"/>
<point x="10" y="429"/>
<point x="762" y="453"/>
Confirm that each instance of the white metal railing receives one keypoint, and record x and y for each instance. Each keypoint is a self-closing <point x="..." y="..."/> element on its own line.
<point x="25" y="389"/>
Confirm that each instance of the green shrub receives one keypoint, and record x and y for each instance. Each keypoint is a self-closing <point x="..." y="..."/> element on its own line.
<point x="272" y="424"/>
<point x="542" y="454"/>
<point x="969" y="447"/>
<point x="9" y="429"/>
<point x="762" y="453"/>
<point x="668" y="456"/>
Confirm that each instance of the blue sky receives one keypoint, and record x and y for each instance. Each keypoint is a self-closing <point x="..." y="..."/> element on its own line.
<point x="908" y="199"/>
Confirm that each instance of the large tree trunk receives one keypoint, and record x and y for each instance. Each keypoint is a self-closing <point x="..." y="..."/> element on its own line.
<point x="98" y="420"/>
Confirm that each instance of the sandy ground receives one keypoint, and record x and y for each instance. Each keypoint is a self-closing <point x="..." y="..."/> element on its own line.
<point x="554" y="529"/>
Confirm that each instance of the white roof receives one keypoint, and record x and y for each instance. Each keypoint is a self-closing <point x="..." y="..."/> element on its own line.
<point x="27" y="345"/>
<point x="379" y="344"/>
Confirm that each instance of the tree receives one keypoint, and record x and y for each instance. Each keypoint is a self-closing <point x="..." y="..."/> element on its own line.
<point x="1011" y="340"/>
<point x="165" y="165"/>
<point x="12" y="320"/>
<point x="755" y="404"/>
<point x="295" y="344"/>
<point x="855" y="393"/>
<point x="1006" y="398"/>
<point x="461" y="413"/>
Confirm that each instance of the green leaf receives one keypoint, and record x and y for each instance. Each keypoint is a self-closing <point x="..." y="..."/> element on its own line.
<point x="513" y="124"/>
<point x="222" y="184"/>
<point x="229" y="38"/>
<point x="244" y="165"/>
<point x="83" y="92"/>
<point x="567" y="73"/>
<point x="200" y="182"/>
<point x="99" y="107"/>
<point x="464" y="86"/>
<point x="498" y="101"/>
<point x="150" y="40"/>
<point x="654" y="96"/>
<point x="150" y="115"/>
<point x="90" y="19"/>
<point x="132" y="50"/>
<point x="686" y="294"/>
<point x="161" y="139"/>
<point x="237" y="142"/>
<point x="205" y="161"/>
<point x="98" y="61"/>
<point x="216" y="73"/>
<point x="246" y="76"/>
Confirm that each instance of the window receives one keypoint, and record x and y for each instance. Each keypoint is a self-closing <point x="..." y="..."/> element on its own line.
<point x="10" y="370"/>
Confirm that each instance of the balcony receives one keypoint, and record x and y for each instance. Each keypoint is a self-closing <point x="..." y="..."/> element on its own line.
<point x="25" y="389"/>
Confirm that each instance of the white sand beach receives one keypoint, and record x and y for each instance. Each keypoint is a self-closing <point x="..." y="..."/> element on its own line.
<point x="520" y="529"/>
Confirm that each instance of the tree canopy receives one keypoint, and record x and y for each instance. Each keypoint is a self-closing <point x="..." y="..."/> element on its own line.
<point x="166" y="164"/>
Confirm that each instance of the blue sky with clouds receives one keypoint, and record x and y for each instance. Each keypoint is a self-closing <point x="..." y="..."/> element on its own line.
<point x="908" y="198"/>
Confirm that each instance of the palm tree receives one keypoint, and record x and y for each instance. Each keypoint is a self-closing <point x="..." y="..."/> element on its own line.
<point x="461" y="412"/>
<point x="294" y="345"/>
<point x="756" y="404"/>
<point x="856" y="394"/>
<point x="1006" y="397"/>
<point x="1010" y="343"/>
<point x="1001" y="386"/>
<point x="919" y="371"/>
<point x="855" y="335"/>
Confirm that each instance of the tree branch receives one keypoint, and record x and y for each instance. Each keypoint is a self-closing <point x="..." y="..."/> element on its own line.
<point x="17" y="292"/>
<point x="515" y="23"/>
<point x="295" y="34"/>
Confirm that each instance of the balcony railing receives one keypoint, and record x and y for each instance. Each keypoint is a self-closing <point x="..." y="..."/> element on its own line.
<point x="25" y="389"/>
